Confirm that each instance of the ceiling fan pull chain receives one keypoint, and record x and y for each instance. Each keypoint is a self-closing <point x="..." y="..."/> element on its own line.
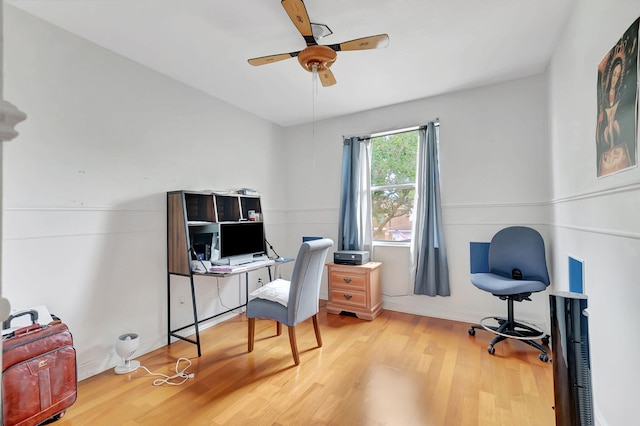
<point x="314" y="92"/>
<point x="314" y="72"/>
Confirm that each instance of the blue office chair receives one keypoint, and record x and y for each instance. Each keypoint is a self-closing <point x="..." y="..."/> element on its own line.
<point x="517" y="268"/>
<point x="291" y="302"/>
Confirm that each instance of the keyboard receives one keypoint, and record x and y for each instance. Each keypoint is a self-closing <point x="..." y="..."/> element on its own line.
<point x="241" y="268"/>
<point x="259" y="263"/>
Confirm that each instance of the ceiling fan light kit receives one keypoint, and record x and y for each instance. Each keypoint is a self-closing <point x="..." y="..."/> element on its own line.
<point x="316" y="57"/>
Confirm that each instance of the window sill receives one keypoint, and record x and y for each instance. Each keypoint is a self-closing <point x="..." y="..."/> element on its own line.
<point x="391" y="244"/>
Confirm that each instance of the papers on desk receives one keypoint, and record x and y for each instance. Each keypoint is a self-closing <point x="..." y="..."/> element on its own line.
<point x="221" y="268"/>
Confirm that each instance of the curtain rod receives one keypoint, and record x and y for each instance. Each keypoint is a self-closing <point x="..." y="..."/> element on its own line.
<point x="436" y="122"/>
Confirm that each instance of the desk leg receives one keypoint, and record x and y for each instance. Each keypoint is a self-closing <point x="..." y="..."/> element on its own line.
<point x="195" y="315"/>
<point x="246" y="290"/>
<point x="168" y="309"/>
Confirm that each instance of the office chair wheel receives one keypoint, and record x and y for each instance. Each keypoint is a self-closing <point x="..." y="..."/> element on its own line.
<point x="543" y="357"/>
<point x="472" y="331"/>
<point x="491" y="349"/>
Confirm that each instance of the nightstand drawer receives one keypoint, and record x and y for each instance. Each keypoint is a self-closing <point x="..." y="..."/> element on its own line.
<point x="349" y="298"/>
<point x="347" y="280"/>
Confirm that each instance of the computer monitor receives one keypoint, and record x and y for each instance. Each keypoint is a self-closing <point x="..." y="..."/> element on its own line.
<point x="243" y="239"/>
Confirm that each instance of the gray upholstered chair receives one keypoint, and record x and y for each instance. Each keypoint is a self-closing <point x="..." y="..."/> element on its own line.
<point x="291" y="302"/>
<point x="517" y="268"/>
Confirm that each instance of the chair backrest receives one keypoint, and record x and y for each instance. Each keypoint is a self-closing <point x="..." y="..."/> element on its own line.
<point x="522" y="248"/>
<point x="306" y="279"/>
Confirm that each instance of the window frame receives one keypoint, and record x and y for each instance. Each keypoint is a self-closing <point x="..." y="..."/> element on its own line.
<point x="407" y="243"/>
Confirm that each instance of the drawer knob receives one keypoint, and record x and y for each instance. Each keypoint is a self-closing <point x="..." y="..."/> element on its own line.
<point x="347" y="280"/>
<point x="347" y="296"/>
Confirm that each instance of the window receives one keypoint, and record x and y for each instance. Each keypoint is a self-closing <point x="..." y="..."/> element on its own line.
<point x="393" y="184"/>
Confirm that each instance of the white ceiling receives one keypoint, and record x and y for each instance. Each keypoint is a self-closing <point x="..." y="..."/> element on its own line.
<point x="435" y="47"/>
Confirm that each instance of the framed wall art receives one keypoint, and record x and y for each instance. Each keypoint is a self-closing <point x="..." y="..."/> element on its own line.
<point x="616" y="130"/>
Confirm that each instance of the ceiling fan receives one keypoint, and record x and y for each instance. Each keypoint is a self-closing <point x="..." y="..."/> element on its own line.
<point x="315" y="57"/>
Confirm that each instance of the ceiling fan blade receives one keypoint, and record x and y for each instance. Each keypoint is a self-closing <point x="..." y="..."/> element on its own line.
<point x="298" y="14"/>
<point x="371" y="42"/>
<point x="263" y="60"/>
<point x="326" y="77"/>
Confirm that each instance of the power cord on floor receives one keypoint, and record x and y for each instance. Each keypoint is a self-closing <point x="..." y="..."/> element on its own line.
<point x="182" y="374"/>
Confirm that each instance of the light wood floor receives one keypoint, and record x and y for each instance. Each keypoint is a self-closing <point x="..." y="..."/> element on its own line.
<point x="399" y="369"/>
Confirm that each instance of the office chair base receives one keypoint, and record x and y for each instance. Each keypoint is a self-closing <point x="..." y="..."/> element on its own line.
<point x="510" y="329"/>
<point x="520" y="330"/>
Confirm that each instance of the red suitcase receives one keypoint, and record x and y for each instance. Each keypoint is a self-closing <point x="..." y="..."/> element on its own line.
<point x="39" y="374"/>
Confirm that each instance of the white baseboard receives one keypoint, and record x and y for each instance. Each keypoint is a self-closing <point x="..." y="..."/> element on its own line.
<point x="466" y="317"/>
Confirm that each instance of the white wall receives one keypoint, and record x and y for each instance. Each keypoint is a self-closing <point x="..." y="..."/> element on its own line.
<point x="85" y="183"/>
<point x="494" y="172"/>
<point x="596" y="219"/>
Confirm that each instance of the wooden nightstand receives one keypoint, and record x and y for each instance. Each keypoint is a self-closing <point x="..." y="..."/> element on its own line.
<point x="355" y="289"/>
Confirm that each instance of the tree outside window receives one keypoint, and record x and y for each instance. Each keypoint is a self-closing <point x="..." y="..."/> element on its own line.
<point x="393" y="184"/>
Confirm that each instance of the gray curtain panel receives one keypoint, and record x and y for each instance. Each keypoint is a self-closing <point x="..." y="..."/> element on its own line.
<point x="354" y="231"/>
<point x="429" y="254"/>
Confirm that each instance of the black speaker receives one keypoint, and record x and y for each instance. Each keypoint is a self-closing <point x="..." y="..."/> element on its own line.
<point x="571" y="361"/>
